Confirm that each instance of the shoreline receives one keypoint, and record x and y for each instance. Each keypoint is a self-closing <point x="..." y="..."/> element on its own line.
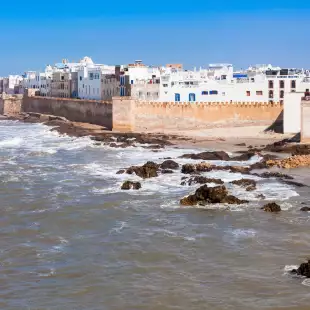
<point x="223" y="139"/>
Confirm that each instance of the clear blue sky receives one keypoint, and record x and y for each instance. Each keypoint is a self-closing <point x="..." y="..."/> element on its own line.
<point x="197" y="32"/>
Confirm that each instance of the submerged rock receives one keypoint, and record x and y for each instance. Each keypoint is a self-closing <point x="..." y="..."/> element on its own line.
<point x="201" y="180"/>
<point x="148" y="170"/>
<point x="122" y="171"/>
<point x="131" y="185"/>
<point x="305" y="209"/>
<point x="207" y="195"/>
<point x="249" y="184"/>
<point x="169" y="164"/>
<point x="220" y="155"/>
<point x="303" y="270"/>
<point x="271" y="207"/>
<point x="166" y="171"/>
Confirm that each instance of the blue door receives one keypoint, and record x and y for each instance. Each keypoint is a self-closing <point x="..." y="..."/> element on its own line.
<point x="177" y="97"/>
<point x="192" y="97"/>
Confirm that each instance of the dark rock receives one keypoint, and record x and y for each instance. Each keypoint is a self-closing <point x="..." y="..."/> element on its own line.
<point x="306" y="209"/>
<point x="208" y="156"/>
<point x="234" y="200"/>
<point x="275" y="175"/>
<point x="131" y="185"/>
<point x="271" y="207"/>
<point x="250" y="146"/>
<point x="240" y="144"/>
<point x="245" y="183"/>
<point x="244" y="157"/>
<point x="97" y="143"/>
<point x="169" y="164"/>
<point x="201" y="180"/>
<point x="297" y="184"/>
<point x="188" y="168"/>
<point x="121" y="171"/>
<point x="148" y="170"/>
<point x="206" y="195"/>
<point x="166" y="171"/>
<point x="303" y="270"/>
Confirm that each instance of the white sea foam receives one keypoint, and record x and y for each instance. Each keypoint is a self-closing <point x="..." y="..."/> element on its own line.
<point x="11" y="142"/>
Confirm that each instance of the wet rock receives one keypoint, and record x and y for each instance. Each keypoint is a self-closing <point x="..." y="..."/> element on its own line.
<point x="97" y="143"/>
<point x="303" y="270"/>
<point x="122" y="171"/>
<point x="166" y="171"/>
<point x="206" y="195"/>
<point x="247" y="183"/>
<point x="251" y="188"/>
<point x="291" y="162"/>
<point x="203" y="167"/>
<point x="201" y="180"/>
<point x="271" y="207"/>
<point x="148" y="170"/>
<point x="244" y="157"/>
<point x="250" y="146"/>
<point x="240" y="144"/>
<point x="305" y="209"/>
<point x="220" y="155"/>
<point x="275" y="175"/>
<point x="188" y="168"/>
<point x="169" y="164"/>
<point x="131" y="185"/>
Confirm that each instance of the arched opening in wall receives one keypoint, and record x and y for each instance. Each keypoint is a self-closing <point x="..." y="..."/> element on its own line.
<point x="281" y="94"/>
<point x="281" y="84"/>
<point x="271" y="94"/>
<point x="293" y="84"/>
<point x="177" y="97"/>
<point x="192" y="97"/>
<point x="270" y="84"/>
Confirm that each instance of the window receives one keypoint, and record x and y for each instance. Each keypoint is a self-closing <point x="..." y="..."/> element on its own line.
<point x="165" y="85"/>
<point x="213" y="92"/>
<point x="270" y="84"/>
<point x="293" y="84"/>
<point x="270" y="93"/>
<point x="192" y="97"/>
<point x="80" y="78"/>
<point x="281" y="84"/>
<point x="131" y="82"/>
<point x="248" y="93"/>
<point x="62" y="77"/>
<point x="204" y="92"/>
<point x="91" y="76"/>
<point x="259" y="93"/>
<point x="281" y="94"/>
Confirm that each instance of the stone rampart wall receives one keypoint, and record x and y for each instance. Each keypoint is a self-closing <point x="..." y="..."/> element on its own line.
<point x="87" y="111"/>
<point x="11" y="104"/>
<point x="305" y="122"/>
<point x="188" y="115"/>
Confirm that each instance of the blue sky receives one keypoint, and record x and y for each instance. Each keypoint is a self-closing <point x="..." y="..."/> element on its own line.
<point x="194" y="32"/>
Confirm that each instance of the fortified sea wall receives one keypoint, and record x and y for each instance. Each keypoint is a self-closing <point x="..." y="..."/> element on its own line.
<point x="87" y="111"/>
<point x="129" y="114"/>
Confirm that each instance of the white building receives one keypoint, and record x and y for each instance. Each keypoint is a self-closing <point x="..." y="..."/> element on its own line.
<point x="219" y="83"/>
<point x="140" y="81"/>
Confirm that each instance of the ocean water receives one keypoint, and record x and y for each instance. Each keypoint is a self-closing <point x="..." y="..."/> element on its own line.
<point x="71" y="239"/>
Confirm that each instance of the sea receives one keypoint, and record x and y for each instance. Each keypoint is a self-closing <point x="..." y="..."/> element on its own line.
<point x="70" y="238"/>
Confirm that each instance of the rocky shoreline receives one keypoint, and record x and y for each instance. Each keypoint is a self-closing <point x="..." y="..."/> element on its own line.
<point x="297" y="155"/>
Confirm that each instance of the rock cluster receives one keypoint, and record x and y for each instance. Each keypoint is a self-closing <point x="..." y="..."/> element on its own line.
<point x="131" y="185"/>
<point x="291" y="162"/>
<point x="207" y="195"/>
<point x="271" y="207"/>
<point x="201" y="180"/>
<point x="249" y="184"/>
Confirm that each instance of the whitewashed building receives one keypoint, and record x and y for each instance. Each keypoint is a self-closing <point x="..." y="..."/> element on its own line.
<point x="219" y="83"/>
<point x="140" y="81"/>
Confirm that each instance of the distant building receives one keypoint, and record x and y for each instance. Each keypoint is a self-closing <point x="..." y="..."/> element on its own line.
<point x="140" y="81"/>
